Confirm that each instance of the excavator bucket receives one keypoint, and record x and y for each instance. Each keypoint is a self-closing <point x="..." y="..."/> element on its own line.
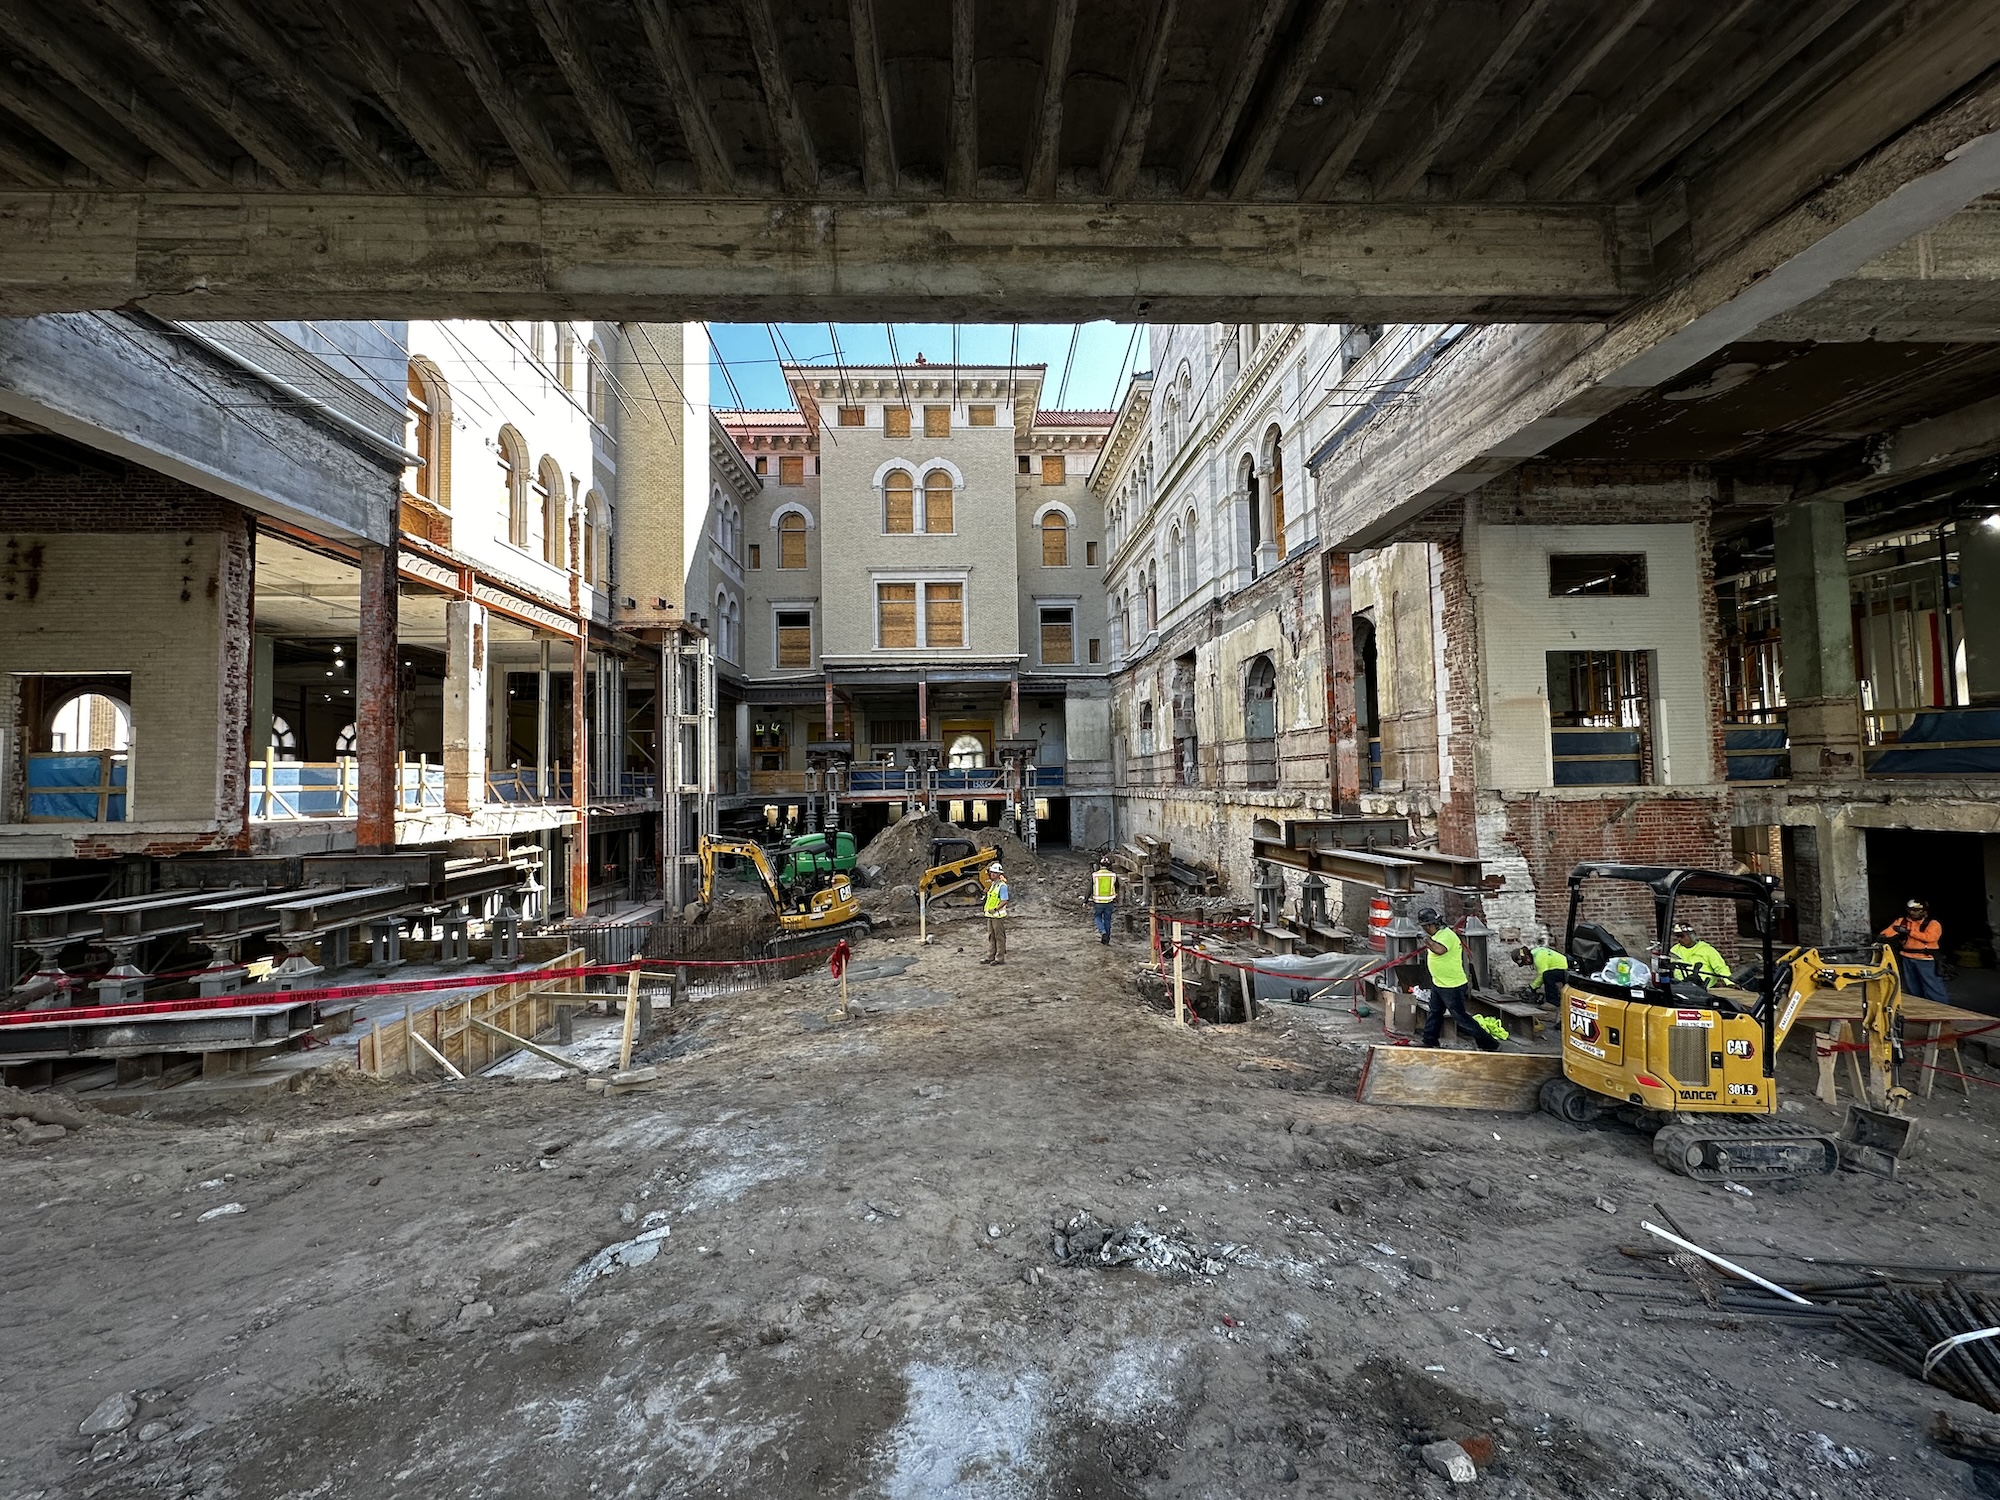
<point x="1872" y="1140"/>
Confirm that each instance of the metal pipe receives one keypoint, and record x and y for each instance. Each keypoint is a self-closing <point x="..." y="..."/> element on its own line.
<point x="1730" y="1266"/>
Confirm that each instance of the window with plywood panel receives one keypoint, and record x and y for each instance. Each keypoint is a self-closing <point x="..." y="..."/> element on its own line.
<point x="895" y="421"/>
<point x="937" y="421"/>
<point x="981" y="416"/>
<point x="1054" y="469"/>
<point x="791" y="469"/>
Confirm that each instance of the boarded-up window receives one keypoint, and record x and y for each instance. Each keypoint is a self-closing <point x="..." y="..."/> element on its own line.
<point x="944" y="614"/>
<point x="937" y="421"/>
<point x="1278" y="503"/>
<point x="1096" y="653"/>
<point x="756" y="556"/>
<point x="1058" y="637"/>
<point x="792" y="469"/>
<point x="795" y="638"/>
<point x="937" y="502"/>
<point x="792" y="541"/>
<point x="896" y="616"/>
<point x="854" y="416"/>
<point x="896" y="421"/>
<point x="763" y="464"/>
<point x="1090" y="554"/>
<point x="1055" y="540"/>
<point x="1054" y="471"/>
<point x="899" y="510"/>
<point x="980" y="416"/>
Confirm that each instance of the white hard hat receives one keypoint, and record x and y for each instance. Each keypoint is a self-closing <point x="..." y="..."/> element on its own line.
<point x="994" y="868"/>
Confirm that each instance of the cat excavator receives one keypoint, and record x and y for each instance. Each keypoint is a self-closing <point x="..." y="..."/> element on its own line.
<point x="1697" y="1063"/>
<point x="815" y="909"/>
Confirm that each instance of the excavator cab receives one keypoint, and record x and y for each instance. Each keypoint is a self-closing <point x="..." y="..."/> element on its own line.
<point x="1651" y="1038"/>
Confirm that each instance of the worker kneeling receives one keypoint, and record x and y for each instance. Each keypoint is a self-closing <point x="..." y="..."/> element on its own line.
<point x="1444" y="955"/>
<point x="1551" y="969"/>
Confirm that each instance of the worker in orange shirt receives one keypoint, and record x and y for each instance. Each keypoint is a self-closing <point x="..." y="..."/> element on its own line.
<point x="1916" y="936"/>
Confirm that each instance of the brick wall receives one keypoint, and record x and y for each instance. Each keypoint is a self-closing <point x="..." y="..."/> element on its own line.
<point x="1459" y="671"/>
<point x="1552" y="833"/>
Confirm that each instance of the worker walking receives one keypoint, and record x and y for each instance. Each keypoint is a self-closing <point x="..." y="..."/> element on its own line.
<point x="1444" y="956"/>
<point x="1551" y="970"/>
<point x="1103" y="897"/>
<point x="1706" y="966"/>
<point x="1916" y="936"/>
<point x="996" y="916"/>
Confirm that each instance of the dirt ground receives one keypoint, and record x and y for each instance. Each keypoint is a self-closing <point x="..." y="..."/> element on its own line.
<point x="815" y="1259"/>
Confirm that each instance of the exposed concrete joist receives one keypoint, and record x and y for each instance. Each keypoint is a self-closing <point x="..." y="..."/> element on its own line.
<point x="354" y="256"/>
<point x="1508" y="394"/>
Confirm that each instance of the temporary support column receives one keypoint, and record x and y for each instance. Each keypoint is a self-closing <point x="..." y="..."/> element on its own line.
<point x="579" y="777"/>
<point x="923" y="707"/>
<point x="1342" y="716"/>
<point x="465" y="707"/>
<point x="1014" y="708"/>
<point x="1816" y="626"/>
<point x="375" y="720"/>
<point x="542" y="725"/>
<point x="1979" y="596"/>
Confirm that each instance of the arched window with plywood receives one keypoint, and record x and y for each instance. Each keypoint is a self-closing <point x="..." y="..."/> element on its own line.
<point x="1055" y="540"/>
<point x="514" y="476"/>
<point x="553" y="492"/>
<point x="899" y="503"/>
<point x="939" y="511"/>
<point x="427" y="433"/>
<point x="792" y="539"/>
<point x="596" y="534"/>
<point x="1274" y="448"/>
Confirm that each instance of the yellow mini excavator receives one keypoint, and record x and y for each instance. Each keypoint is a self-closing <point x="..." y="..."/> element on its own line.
<point x="1697" y="1063"/>
<point x="813" y="911"/>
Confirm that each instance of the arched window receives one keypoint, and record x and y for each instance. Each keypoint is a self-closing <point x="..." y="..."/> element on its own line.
<point x="725" y="640"/>
<point x="428" y="433"/>
<point x="550" y="487"/>
<point x="1152" y="598"/>
<point x="899" y="508"/>
<point x="514" y="474"/>
<point x="345" y="742"/>
<point x="1188" y="566"/>
<point x="1055" y="540"/>
<point x="1277" y="451"/>
<point x="566" y="356"/>
<point x="735" y="631"/>
<point x="967" y="753"/>
<point x="1124" y="622"/>
<point x="284" y="743"/>
<point x="938" y="516"/>
<point x="1176" y="585"/>
<point x="792" y="540"/>
<point x="1260" y="700"/>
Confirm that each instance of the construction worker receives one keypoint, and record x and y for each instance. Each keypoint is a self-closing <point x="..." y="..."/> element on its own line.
<point x="1103" y="897"/>
<point x="996" y="916"/>
<point x="1551" y="970"/>
<point x="1916" y="936"/>
<point x="1704" y="965"/>
<point x="1444" y="956"/>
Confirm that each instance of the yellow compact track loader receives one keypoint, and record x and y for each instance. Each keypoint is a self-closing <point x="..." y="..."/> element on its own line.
<point x="1696" y="1063"/>
<point x="813" y="911"/>
<point x="953" y="873"/>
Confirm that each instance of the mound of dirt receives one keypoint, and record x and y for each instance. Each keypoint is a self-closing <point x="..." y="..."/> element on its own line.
<point x="901" y="853"/>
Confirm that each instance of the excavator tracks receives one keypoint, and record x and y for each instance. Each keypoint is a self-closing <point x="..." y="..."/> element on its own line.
<point x="787" y="944"/>
<point x="1709" y="1149"/>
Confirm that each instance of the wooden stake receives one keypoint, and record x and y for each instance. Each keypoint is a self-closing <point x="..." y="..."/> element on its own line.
<point x="1180" y="994"/>
<point x="1243" y="975"/>
<point x="631" y="1015"/>
<point x="923" y="918"/>
<point x="845" y="1010"/>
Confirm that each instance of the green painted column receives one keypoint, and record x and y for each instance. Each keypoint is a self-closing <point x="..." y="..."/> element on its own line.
<point x="1979" y="603"/>
<point x="1816" y="627"/>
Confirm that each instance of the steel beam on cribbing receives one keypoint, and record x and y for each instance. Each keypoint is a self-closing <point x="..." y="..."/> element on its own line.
<point x="51" y="924"/>
<point x="243" y="915"/>
<point x="359" y="871"/>
<point x="1434" y="868"/>
<point x="480" y="880"/>
<point x="221" y="1029"/>
<point x="1358" y="866"/>
<point x="315" y="911"/>
<point x="156" y="916"/>
<point x="265" y="872"/>
<point x="1358" y="831"/>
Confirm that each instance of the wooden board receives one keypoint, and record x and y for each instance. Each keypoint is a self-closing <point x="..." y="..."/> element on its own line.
<point x="1837" y="1005"/>
<point x="1433" y="1078"/>
<point x="526" y="1007"/>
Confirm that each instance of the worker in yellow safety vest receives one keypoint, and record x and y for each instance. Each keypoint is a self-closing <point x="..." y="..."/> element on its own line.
<point x="1551" y="970"/>
<point x="996" y="916"/>
<point x="1706" y="966"/>
<point x="1444" y="958"/>
<point x="1103" y="897"/>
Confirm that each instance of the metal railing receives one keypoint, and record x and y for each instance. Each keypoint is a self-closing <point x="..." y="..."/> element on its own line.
<point x="80" y="786"/>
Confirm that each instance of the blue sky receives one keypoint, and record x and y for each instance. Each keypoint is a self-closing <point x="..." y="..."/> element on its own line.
<point x="748" y="354"/>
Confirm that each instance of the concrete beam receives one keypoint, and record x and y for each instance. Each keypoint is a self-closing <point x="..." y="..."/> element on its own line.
<point x="1935" y="446"/>
<point x="1505" y="394"/>
<point x="126" y="386"/>
<point x="373" y="256"/>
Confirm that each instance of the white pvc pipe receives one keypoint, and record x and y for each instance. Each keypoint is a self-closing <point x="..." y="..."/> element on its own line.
<point x="1730" y="1266"/>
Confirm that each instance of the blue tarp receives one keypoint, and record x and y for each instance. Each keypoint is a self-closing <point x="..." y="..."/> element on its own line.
<point x="1769" y="747"/>
<point x="1945" y="742"/>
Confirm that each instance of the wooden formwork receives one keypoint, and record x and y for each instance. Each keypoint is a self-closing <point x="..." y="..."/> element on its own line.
<point x="526" y="1007"/>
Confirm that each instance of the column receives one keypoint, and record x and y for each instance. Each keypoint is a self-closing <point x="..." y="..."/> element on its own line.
<point x="1342" y="716"/>
<point x="465" y="706"/>
<point x="741" y="770"/>
<point x="1234" y="561"/>
<point x="375" y="719"/>
<point x="262" y="660"/>
<point x="1267" y="543"/>
<point x="1979" y="602"/>
<point x="579" y="776"/>
<point x="1816" y="626"/>
<point x="542" y="724"/>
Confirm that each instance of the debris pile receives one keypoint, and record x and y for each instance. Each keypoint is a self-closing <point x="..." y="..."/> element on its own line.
<point x="1083" y="1241"/>
<point x="900" y="853"/>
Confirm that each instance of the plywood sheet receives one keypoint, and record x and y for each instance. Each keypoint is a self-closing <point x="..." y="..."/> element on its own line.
<point x="1433" y="1078"/>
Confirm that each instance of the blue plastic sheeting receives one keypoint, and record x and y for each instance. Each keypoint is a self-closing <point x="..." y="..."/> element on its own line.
<point x="1945" y="742"/>
<point x="1757" y="752"/>
<point x="1620" y="743"/>
<point x="48" y="774"/>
